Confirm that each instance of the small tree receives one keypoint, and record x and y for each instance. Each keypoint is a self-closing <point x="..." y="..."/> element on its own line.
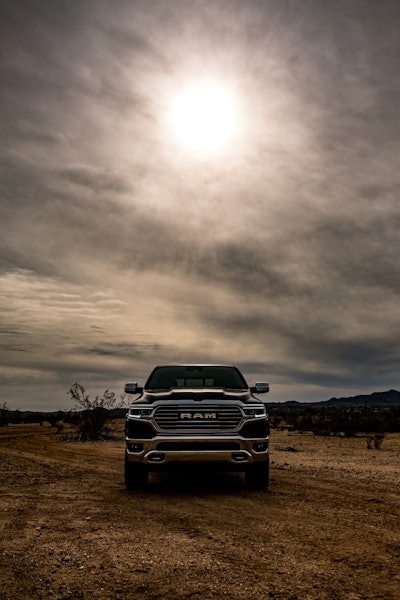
<point x="94" y="414"/>
<point x="4" y="414"/>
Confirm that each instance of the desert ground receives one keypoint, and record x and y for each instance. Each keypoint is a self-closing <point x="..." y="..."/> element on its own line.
<point x="328" y="527"/>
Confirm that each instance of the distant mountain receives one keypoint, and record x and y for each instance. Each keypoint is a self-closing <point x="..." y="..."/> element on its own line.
<point x="389" y="398"/>
<point x="378" y="399"/>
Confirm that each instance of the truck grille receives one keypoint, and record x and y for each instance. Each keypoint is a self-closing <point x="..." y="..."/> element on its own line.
<point x="200" y="419"/>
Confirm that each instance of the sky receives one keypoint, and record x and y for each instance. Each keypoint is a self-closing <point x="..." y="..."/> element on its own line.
<point x="127" y="242"/>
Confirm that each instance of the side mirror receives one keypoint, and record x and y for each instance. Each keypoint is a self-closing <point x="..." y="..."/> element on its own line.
<point x="133" y="388"/>
<point x="260" y="388"/>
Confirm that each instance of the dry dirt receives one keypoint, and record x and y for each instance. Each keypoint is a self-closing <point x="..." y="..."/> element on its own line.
<point x="328" y="527"/>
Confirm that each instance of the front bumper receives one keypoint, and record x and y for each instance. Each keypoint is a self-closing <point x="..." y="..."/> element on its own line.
<point x="229" y="452"/>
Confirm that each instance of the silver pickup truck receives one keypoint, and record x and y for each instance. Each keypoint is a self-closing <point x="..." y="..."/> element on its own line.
<point x="203" y="414"/>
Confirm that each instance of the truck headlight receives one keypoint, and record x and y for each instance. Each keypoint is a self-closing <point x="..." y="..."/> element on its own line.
<point x="255" y="412"/>
<point x="139" y="412"/>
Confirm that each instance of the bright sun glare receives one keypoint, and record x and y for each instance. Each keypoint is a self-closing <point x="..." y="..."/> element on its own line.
<point x="204" y="117"/>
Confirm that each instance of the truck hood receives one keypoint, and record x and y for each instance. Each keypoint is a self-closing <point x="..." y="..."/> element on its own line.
<point x="198" y="394"/>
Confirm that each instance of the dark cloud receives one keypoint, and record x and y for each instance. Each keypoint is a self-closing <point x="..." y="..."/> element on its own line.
<point x="96" y="180"/>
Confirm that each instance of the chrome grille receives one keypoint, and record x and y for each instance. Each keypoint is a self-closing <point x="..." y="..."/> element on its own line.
<point x="176" y="418"/>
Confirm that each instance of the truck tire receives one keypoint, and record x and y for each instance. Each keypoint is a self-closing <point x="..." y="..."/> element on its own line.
<point x="257" y="475"/>
<point x="136" y="476"/>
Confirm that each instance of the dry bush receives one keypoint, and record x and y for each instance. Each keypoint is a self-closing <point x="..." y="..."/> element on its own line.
<point x="376" y="441"/>
<point x="94" y="415"/>
<point x="4" y="414"/>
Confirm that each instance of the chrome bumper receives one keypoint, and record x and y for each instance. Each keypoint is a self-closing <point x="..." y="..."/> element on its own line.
<point x="156" y="452"/>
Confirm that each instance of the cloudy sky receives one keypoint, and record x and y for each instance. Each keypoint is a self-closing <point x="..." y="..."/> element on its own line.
<point x="128" y="240"/>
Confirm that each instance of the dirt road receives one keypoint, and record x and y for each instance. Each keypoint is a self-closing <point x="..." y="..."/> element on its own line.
<point x="328" y="527"/>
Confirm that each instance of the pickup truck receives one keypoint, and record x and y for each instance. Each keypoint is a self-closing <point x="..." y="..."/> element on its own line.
<point x="196" y="414"/>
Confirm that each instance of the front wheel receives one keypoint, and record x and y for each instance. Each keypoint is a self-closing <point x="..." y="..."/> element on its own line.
<point x="136" y="476"/>
<point x="257" y="475"/>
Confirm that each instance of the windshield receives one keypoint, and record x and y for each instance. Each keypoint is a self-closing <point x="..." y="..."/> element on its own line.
<point x="165" y="378"/>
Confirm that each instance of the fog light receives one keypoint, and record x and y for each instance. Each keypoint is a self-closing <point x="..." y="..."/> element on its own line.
<point x="135" y="448"/>
<point x="259" y="447"/>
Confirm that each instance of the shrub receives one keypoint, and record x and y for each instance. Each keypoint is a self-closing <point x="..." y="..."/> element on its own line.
<point x="375" y="440"/>
<point x="94" y="414"/>
<point x="4" y="414"/>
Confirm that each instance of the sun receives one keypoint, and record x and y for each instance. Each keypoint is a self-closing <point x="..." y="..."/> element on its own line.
<point x="205" y="118"/>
